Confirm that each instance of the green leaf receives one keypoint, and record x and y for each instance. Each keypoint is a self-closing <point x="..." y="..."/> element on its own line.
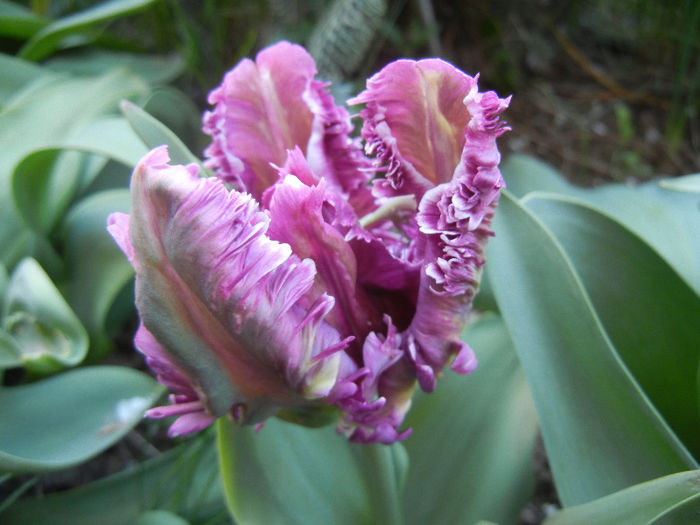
<point x="288" y="474"/>
<point x="94" y="281"/>
<point x="48" y="113"/>
<point x="3" y="279"/>
<point x="658" y="215"/>
<point x="524" y="174"/>
<point x="154" y="69"/>
<point x="685" y="512"/>
<point x="49" y="38"/>
<point x="66" y="419"/>
<point x="108" y="136"/>
<point x="589" y="406"/>
<point x="16" y="74"/>
<point x="184" y="480"/>
<point x="634" y="505"/>
<point x="46" y="331"/>
<point x="10" y="352"/>
<point x="159" y="517"/>
<point x="155" y="133"/>
<point x="648" y="311"/>
<point x="43" y="185"/>
<point x="45" y="182"/>
<point x="17" y="21"/>
<point x="473" y="438"/>
<point x="688" y="184"/>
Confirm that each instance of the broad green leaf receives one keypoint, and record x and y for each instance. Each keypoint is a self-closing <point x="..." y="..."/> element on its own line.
<point x="649" y="312"/>
<point x="600" y="431"/>
<point x="45" y="182"/>
<point x="184" y="480"/>
<point x="473" y="438"/>
<point x="66" y="419"/>
<point x="661" y="217"/>
<point x="10" y="352"/>
<point x="288" y="474"/>
<point x="49" y="38"/>
<point x="686" y="512"/>
<point x="108" y="136"/>
<point x="154" y="69"/>
<point x="524" y="174"/>
<point x="159" y="517"/>
<point x="47" y="113"/>
<point x="658" y="215"/>
<point x="16" y="21"/>
<point x="97" y="269"/>
<point x="16" y="74"/>
<point x="155" y="133"/>
<point x="46" y="331"/>
<point x="634" y="505"/>
<point x="688" y="184"/>
<point x="3" y="279"/>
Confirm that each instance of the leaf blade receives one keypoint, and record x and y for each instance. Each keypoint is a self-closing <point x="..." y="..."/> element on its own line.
<point x="636" y="504"/>
<point x="629" y="284"/>
<point x="87" y="409"/>
<point x="491" y="441"/>
<point x="588" y="404"/>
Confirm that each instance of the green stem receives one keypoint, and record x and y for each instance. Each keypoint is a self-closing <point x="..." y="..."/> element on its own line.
<point x="384" y="472"/>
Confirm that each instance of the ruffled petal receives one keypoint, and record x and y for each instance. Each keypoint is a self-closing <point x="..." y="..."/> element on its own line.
<point x="303" y="216"/>
<point x="414" y="122"/>
<point x="259" y="115"/>
<point x="229" y="304"/>
<point x="376" y="411"/>
<point x="266" y="107"/>
<point x="455" y="219"/>
<point x="333" y="154"/>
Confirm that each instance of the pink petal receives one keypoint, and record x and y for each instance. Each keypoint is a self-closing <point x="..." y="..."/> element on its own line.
<point x="190" y="423"/>
<point x="300" y="218"/>
<point x="118" y="228"/>
<point x="333" y="154"/>
<point x="259" y="115"/>
<point x="225" y="302"/>
<point x="415" y="121"/>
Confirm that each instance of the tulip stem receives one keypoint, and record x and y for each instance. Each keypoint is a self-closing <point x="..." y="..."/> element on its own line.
<point x="388" y="209"/>
<point x="385" y="467"/>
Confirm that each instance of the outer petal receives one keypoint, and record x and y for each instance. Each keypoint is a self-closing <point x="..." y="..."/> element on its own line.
<point x="455" y="219"/>
<point x="303" y="216"/>
<point x="192" y="414"/>
<point x="414" y="122"/>
<point x="272" y="105"/>
<point x="259" y="115"/>
<point x="227" y="303"/>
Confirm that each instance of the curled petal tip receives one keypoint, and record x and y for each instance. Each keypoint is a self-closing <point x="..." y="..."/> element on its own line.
<point x="465" y="361"/>
<point x="156" y="158"/>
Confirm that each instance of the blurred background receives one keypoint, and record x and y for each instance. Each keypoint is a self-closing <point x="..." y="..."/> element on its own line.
<point x="602" y="90"/>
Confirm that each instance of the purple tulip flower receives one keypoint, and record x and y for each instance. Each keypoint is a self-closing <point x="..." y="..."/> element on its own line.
<point x="310" y="273"/>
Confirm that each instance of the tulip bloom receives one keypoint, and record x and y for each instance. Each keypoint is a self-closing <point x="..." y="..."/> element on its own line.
<point x="312" y="272"/>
